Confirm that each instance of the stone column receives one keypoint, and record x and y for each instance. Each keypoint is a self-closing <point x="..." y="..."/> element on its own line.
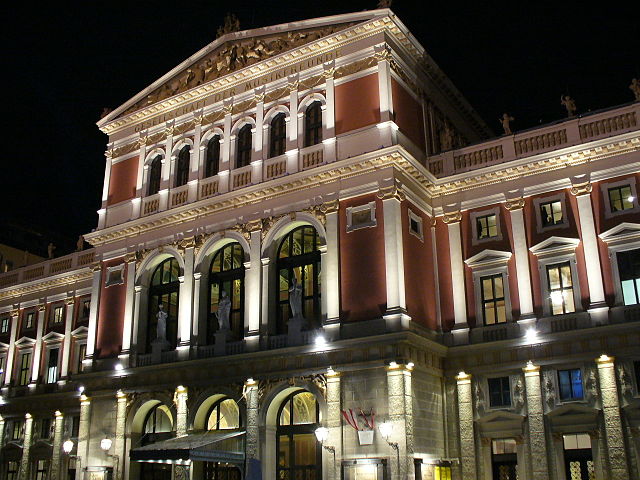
<point x="195" y="167"/>
<point x="58" y="431"/>
<point x="615" y="451"/>
<point x="181" y="410"/>
<point x="107" y="176"/>
<point x="186" y="294"/>
<point x="137" y="204"/>
<point x="8" y="368"/>
<point x="2" y="424"/>
<point x="23" y="473"/>
<point x="466" y="427"/>
<point x="129" y="307"/>
<point x="258" y="155"/>
<point x="334" y="423"/>
<point x="253" y="431"/>
<point x="93" y="314"/>
<point x="167" y="164"/>
<point x="292" y="86"/>
<point x="66" y="343"/>
<point x="82" y="459"/>
<point x="537" y="443"/>
<point x="264" y="321"/>
<point x="590" y="246"/>
<point x="457" y="271"/>
<point x="253" y="277"/>
<point x="401" y="416"/>
<point x="329" y="116"/>
<point x="521" y="252"/>
<point x="195" y="309"/>
<point x="331" y="266"/>
<point x="37" y="349"/>
<point x="139" y="290"/>
<point x="395" y="316"/>
<point x="388" y="133"/>
<point x="120" y="439"/>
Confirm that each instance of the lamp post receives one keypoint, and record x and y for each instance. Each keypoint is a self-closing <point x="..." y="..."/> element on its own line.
<point x="105" y="445"/>
<point x="67" y="448"/>
<point x="386" y="429"/>
<point x="322" y="433"/>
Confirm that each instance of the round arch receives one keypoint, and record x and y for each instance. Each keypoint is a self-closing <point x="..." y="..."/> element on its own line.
<point x="179" y="145"/>
<point x="209" y="134"/>
<point x="153" y="154"/>
<point x="273" y="111"/>
<point x="141" y="407"/>
<point x="215" y="243"/>
<point x="285" y="225"/>
<point x="198" y="419"/>
<point x="241" y="123"/>
<point x="146" y="268"/>
<point x="309" y="99"/>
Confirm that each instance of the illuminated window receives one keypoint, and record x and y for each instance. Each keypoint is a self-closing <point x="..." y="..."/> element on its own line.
<point x="578" y="456"/>
<point x="157" y="424"/>
<point x="244" y="147"/>
<point x="82" y="353"/>
<point x="29" y="319"/>
<point x="4" y="324"/>
<point x="164" y="290"/>
<point x="560" y="288"/>
<point x="25" y="369"/>
<point x="486" y="227"/>
<point x="41" y="469"/>
<point x="621" y="198"/>
<point x="227" y="275"/>
<point x="17" y="429"/>
<point x="570" y="384"/>
<point x="504" y="460"/>
<point x="155" y="176"/>
<point x="224" y="415"/>
<point x="182" y="167"/>
<point x="11" y="470"/>
<point x="52" y="366"/>
<point x="57" y="315"/>
<point x="499" y="392"/>
<point x="278" y="140"/>
<point x="313" y="124"/>
<point x="629" y="271"/>
<point x="212" y="161"/>
<point x="494" y="308"/>
<point x="551" y="213"/>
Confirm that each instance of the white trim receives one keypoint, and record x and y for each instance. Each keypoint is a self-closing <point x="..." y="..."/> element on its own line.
<point x="604" y="187"/>
<point x="418" y="219"/>
<point x="621" y="238"/>
<point x="114" y="270"/>
<point x="371" y="207"/>
<point x="474" y="230"/>
<point x="561" y="197"/>
<point x="554" y="246"/>
<point x="485" y="264"/>
<point x="487" y="259"/>
<point x="543" y="262"/>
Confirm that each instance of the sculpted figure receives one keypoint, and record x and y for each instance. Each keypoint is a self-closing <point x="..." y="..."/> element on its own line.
<point x="161" y="328"/>
<point x="635" y="88"/>
<point x="80" y="244"/>
<point x="570" y="104"/>
<point x="506" y="121"/>
<point x="50" y="249"/>
<point x="224" y="309"/>
<point x="295" y="299"/>
<point x="446" y="138"/>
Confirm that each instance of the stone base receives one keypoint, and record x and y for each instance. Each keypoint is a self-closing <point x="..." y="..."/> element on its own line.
<point x="295" y="326"/>
<point x="222" y="337"/>
<point x="158" y="346"/>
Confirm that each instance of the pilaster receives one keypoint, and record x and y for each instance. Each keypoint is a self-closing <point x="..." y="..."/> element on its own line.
<point x="139" y="291"/>
<point x="521" y="252"/>
<point x="56" y="451"/>
<point x="334" y="422"/>
<point x="331" y="266"/>
<point x="181" y="397"/>
<point x="186" y="294"/>
<point x="23" y="473"/>
<point x="537" y="442"/>
<point x="466" y="427"/>
<point x="457" y="269"/>
<point x="83" y="436"/>
<point x="66" y="343"/>
<point x="129" y="306"/>
<point x="264" y="327"/>
<point x="253" y="278"/>
<point x="329" y="138"/>
<point x="400" y="415"/>
<point x="253" y="431"/>
<point x="615" y="451"/>
<point x="37" y="349"/>
<point x="8" y="373"/>
<point x="120" y="439"/>
<point x="93" y="313"/>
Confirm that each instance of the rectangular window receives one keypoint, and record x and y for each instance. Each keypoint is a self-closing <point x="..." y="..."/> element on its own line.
<point x="499" y="392"/>
<point x="41" y="470"/>
<point x="45" y="428"/>
<point x="25" y="369"/>
<point x="560" y="288"/>
<point x="620" y="198"/>
<point x="486" y="226"/>
<point x="17" y="430"/>
<point x="494" y="309"/>
<point x="12" y="470"/>
<point x="629" y="271"/>
<point x="86" y="307"/>
<point x="52" y="366"/>
<point x="29" y="320"/>
<point x="570" y="383"/>
<point x="4" y="324"/>
<point x="551" y="213"/>
<point x="82" y="352"/>
<point x="75" y="426"/>
<point x="58" y="315"/>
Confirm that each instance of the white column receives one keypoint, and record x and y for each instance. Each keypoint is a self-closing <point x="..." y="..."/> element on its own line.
<point x="129" y="305"/>
<point x="23" y="473"/>
<point x="137" y="204"/>
<point x="383" y="55"/>
<point x="264" y="323"/>
<point x="329" y="115"/>
<point x="107" y="177"/>
<point x="521" y="252"/>
<point x="253" y="277"/>
<point x="195" y="309"/>
<point x="186" y="294"/>
<point x="225" y="154"/>
<point x="334" y="423"/>
<point x="83" y="436"/>
<point x="536" y="427"/>
<point x="258" y="154"/>
<point x="615" y="451"/>
<point x="466" y="427"/>
<point x="57" y="447"/>
<point x="457" y="269"/>
<point x="332" y="262"/>
<point x="8" y="368"/>
<point x="196" y="155"/>
<point x="436" y="274"/>
<point x="66" y="343"/>
<point x="253" y="429"/>
<point x="392" y="197"/>
<point x="93" y="313"/>
<point x="37" y="349"/>
<point x="139" y="290"/>
<point x="292" y="85"/>
<point x="120" y="438"/>
<point x="590" y="245"/>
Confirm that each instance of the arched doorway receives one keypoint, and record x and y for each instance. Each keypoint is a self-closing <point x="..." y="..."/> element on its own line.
<point x="226" y="275"/>
<point x="164" y="290"/>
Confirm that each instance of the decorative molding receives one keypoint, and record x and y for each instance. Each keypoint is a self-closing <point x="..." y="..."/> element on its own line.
<point x="131" y="257"/>
<point x="581" y="189"/>
<point x="514" y="204"/>
<point x="391" y="191"/>
<point x="553" y="246"/>
<point x="452" y="217"/>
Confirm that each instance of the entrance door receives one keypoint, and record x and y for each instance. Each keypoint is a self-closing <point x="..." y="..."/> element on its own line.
<point x="504" y="459"/>
<point x="578" y="458"/>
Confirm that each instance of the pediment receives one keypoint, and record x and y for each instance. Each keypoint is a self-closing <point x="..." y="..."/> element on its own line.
<point x="573" y="413"/>
<point x="622" y="233"/>
<point x="80" y="332"/>
<point x="25" y="341"/>
<point x="236" y="50"/>
<point x="501" y="421"/>
<point x="488" y="258"/>
<point x="555" y="246"/>
<point x="52" y="336"/>
<point x="500" y="416"/>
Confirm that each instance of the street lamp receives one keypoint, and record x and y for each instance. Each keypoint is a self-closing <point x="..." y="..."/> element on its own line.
<point x="67" y="446"/>
<point x="322" y="434"/>
<point x="386" y="429"/>
<point x="105" y="445"/>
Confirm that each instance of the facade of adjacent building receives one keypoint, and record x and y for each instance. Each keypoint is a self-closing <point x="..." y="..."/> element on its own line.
<point x="311" y="264"/>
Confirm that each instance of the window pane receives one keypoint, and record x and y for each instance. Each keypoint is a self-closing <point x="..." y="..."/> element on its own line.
<point x="499" y="288"/>
<point x="284" y="459"/>
<point x="576" y="383"/>
<point x="564" y="382"/>
<point x="501" y="311"/>
<point x="487" y="289"/>
<point x="229" y="414"/>
<point x="285" y="415"/>
<point x="554" y="277"/>
<point x="565" y="272"/>
<point x="305" y="449"/>
<point x="212" y="422"/>
<point x="304" y="408"/>
<point x="489" y="313"/>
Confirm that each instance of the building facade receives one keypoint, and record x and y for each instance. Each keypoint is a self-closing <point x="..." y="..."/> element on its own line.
<point x="309" y="264"/>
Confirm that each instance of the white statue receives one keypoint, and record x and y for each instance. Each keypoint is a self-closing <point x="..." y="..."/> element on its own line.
<point x="295" y="298"/>
<point x="570" y="104"/>
<point x="50" y="249"/>
<point x="162" y="324"/>
<point x="506" y="123"/>
<point x="635" y="88"/>
<point x="224" y="309"/>
<point x="80" y="244"/>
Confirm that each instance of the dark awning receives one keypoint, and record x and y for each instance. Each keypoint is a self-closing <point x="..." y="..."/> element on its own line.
<point x="207" y="446"/>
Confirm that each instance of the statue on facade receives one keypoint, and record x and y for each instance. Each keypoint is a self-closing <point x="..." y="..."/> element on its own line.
<point x="446" y="137"/>
<point x="50" y="249"/>
<point x="224" y="310"/>
<point x="568" y="103"/>
<point x="384" y="3"/>
<point x="161" y="328"/>
<point x="635" y="88"/>
<point x="506" y="123"/>
<point x="231" y="24"/>
<point x="295" y="299"/>
<point x="80" y="244"/>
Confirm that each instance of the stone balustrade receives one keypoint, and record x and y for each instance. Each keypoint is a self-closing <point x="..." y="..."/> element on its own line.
<point x="275" y="167"/>
<point x="241" y="177"/>
<point x="209" y="187"/>
<point x="151" y="204"/>
<point x="311" y="156"/>
<point x="179" y="195"/>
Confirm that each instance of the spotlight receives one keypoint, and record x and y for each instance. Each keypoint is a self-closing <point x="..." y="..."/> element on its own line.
<point x="321" y="341"/>
<point x="118" y="367"/>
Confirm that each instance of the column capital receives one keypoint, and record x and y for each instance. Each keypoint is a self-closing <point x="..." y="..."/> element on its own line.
<point x="531" y="369"/>
<point x="14" y="312"/>
<point x="452" y="217"/>
<point x="69" y="301"/>
<point x="42" y="307"/>
<point x="96" y="266"/>
<point x="463" y="377"/>
<point x="604" y="361"/>
<point x="580" y="189"/>
<point x="382" y="52"/>
<point x="514" y="204"/>
<point x="391" y="192"/>
<point x="131" y="257"/>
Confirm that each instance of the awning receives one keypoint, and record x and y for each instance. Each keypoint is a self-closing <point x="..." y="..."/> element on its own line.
<point x="207" y="446"/>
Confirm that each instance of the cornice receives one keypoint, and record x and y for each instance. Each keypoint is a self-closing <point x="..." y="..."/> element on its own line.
<point x="45" y="284"/>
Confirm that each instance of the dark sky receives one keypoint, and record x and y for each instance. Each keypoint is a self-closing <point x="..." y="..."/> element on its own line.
<point x="64" y="61"/>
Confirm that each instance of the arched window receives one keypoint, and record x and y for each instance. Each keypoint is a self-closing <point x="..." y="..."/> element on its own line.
<point x="155" y="175"/>
<point x="299" y="258"/>
<point x="278" y="141"/>
<point x="182" y="166"/>
<point x="313" y="124"/>
<point x="213" y="156"/>
<point x="299" y="453"/>
<point x="157" y="424"/>
<point x="243" y="155"/>
<point x="227" y="275"/>
<point x="223" y="415"/>
<point x="163" y="291"/>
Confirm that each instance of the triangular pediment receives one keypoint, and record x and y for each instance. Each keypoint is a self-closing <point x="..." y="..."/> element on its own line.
<point x="25" y="341"/>
<point x="622" y="233"/>
<point x="573" y="414"/>
<point x="52" y="337"/>
<point x="235" y="51"/>
<point x="80" y="332"/>
<point x="555" y="246"/>
<point x="488" y="258"/>
<point x="500" y="416"/>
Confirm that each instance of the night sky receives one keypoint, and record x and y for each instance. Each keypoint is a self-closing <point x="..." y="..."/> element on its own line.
<point x="65" y="61"/>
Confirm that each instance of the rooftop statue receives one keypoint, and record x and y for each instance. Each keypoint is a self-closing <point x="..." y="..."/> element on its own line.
<point x="231" y="24"/>
<point x="635" y="88"/>
<point x="505" y="121"/>
<point x="569" y="103"/>
<point x="161" y="328"/>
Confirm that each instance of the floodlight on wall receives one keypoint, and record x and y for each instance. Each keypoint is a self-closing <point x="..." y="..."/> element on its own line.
<point x="320" y="341"/>
<point x="67" y="446"/>
<point x="118" y="367"/>
<point x="531" y="335"/>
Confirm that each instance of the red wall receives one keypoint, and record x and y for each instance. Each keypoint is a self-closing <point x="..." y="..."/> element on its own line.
<point x="408" y="114"/>
<point x="444" y="275"/>
<point x="363" y="288"/>
<point x="357" y="104"/>
<point x="122" y="182"/>
<point x="110" y="314"/>
<point x="418" y="271"/>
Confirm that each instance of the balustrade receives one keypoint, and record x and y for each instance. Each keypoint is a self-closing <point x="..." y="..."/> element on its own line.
<point x="275" y="167"/>
<point x="209" y="187"/>
<point x="150" y="204"/>
<point x="179" y="195"/>
<point x="312" y="156"/>
<point x="241" y="177"/>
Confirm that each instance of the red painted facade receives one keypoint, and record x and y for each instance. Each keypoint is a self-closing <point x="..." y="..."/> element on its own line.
<point x="357" y="104"/>
<point x="111" y="314"/>
<point x="408" y="114"/>
<point x="122" y="182"/>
